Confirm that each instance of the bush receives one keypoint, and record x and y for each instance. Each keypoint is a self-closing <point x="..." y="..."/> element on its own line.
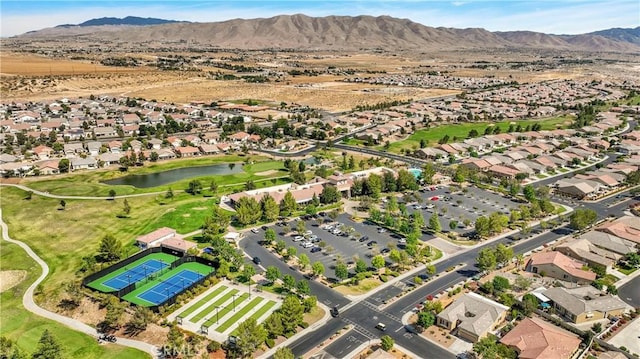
<point x="213" y="346"/>
<point x="304" y="325"/>
<point x="383" y="278"/>
<point x="270" y="342"/>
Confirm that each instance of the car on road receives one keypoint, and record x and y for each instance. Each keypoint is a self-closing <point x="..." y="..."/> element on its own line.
<point x="256" y="260"/>
<point x="381" y="326"/>
<point x="254" y="230"/>
<point x="315" y="249"/>
<point x="334" y="312"/>
<point x="264" y="228"/>
<point x="372" y="243"/>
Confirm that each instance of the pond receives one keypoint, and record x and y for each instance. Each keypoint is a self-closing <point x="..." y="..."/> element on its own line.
<point x="165" y="177"/>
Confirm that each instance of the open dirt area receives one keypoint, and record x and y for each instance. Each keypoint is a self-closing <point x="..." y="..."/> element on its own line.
<point x="11" y="278"/>
<point x="12" y="64"/>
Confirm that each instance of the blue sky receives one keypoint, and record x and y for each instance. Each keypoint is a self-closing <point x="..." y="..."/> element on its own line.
<point x="549" y="16"/>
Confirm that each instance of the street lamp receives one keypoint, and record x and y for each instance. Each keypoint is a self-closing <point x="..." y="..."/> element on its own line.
<point x="129" y="278"/>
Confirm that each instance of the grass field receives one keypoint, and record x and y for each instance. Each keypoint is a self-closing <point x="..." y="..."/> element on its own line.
<point x="192" y="266"/>
<point x="185" y="218"/>
<point x="88" y="183"/>
<point x="20" y="325"/>
<point x="98" y="284"/>
<point x="433" y="135"/>
<point x="203" y="301"/>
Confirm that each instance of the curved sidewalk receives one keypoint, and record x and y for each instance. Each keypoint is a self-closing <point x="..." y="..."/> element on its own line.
<point x="30" y="305"/>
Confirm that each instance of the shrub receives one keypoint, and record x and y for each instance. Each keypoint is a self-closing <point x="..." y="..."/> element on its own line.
<point x="383" y="278"/>
<point x="270" y="342"/>
<point x="213" y="346"/>
<point x="304" y="325"/>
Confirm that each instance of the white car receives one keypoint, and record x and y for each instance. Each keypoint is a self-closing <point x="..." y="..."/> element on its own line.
<point x="313" y="237"/>
<point x="298" y="238"/>
<point x="402" y="241"/>
<point x="381" y="230"/>
<point x="308" y="233"/>
<point x="307" y="245"/>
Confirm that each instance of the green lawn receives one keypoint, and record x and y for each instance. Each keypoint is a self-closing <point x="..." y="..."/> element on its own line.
<point x="98" y="284"/>
<point x="220" y="313"/>
<point x="433" y="135"/>
<point x="184" y="218"/>
<point x="626" y="270"/>
<point x="203" y="301"/>
<point x="260" y="312"/>
<point x="239" y="314"/>
<point x="143" y="287"/>
<point x="212" y="307"/>
<point x="89" y="183"/>
<point x="20" y="325"/>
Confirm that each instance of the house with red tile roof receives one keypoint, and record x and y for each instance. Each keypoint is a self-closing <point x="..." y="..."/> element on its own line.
<point x="533" y="338"/>
<point x="153" y="239"/>
<point x="557" y="265"/>
<point x="627" y="227"/>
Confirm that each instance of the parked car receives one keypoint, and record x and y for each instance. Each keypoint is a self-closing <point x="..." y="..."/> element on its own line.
<point x="371" y="244"/>
<point x="381" y="230"/>
<point x="255" y="230"/>
<point x="307" y="245"/>
<point x="308" y="233"/>
<point x="402" y="241"/>
<point x="298" y="238"/>
<point x="315" y="249"/>
<point x="381" y="326"/>
<point x="385" y="250"/>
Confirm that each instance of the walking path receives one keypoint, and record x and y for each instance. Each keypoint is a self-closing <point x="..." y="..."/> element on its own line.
<point x="30" y="305"/>
<point x="47" y="194"/>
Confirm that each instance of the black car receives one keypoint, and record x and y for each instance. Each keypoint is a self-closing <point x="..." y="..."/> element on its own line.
<point x="315" y="249"/>
<point x="256" y="260"/>
<point x="264" y="228"/>
<point x="334" y="312"/>
<point x="371" y="244"/>
<point x="385" y="250"/>
<point x="362" y="239"/>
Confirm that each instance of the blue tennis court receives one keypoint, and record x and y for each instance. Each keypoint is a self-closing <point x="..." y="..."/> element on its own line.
<point x="136" y="274"/>
<point x="170" y="286"/>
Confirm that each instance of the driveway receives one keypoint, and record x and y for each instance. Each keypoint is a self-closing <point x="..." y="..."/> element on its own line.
<point x="628" y="337"/>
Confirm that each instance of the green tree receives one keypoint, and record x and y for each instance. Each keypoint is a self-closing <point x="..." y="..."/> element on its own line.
<point x="302" y="287"/>
<point x="529" y="193"/>
<point x="217" y="223"/>
<point x="195" y="187"/>
<point x="503" y="254"/>
<point x="529" y="304"/>
<point x="453" y="225"/>
<point x="428" y="171"/>
<point x="112" y="193"/>
<point x="10" y="350"/>
<point x="431" y="269"/>
<point x="361" y="266"/>
<point x="169" y="194"/>
<point x="283" y="353"/>
<point x="248" y="271"/>
<point x="486" y="259"/>
<point x="377" y="261"/>
<point x="250" y="335"/>
<point x="304" y="261"/>
<point x="373" y="185"/>
<point x="482" y="226"/>
<point x="141" y="318"/>
<point x="426" y="319"/>
<point x="341" y="271"/>
<point x="329" y="194"/>
<point x="270" y="208"/>
<point x="386" y="342"/>
<point x="48" y="347"/>
<point x="293" y="311"/>
<point x="110" y="249"/>
<point x="318" y="268"/>
<point x="581" y="218"/>
<point x="248" y="211"/>
<point x="497" y="222"/>
<point x="126" y="208"/>
<point x="270" y="235"/>
<point x="289" y="281"/>
<point x="64" y="165"/>
<point x="434" y="223"/>
<point x="489" y="348"/>
<point x="273" y="325"/>
<point x="500" y="284"/>
<point x="249" y="185"/>
<point x="288" y="204"/>
<point x="273" y="273"/>
<point x="301" y="227"/>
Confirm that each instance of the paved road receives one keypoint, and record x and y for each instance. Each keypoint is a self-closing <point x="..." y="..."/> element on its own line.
<point x="630" y="292"/>
<point x="30" y="305"/>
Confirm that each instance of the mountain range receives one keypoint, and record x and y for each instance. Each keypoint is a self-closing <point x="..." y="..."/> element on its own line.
<point x="335" y="32"/>
<point x="129" y="20"/>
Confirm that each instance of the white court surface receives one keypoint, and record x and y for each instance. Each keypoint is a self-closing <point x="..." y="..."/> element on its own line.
<point x="222" y="307"/>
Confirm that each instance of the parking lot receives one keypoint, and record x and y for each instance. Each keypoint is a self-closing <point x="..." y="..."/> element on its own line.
<point x="364" y="240"/>
<point x="459" y="206"/>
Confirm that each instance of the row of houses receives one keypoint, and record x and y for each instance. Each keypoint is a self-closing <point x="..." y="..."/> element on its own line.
<point x="595" y="183"/>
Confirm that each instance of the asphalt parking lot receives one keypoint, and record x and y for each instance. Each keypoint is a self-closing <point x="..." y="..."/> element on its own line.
<point x="336" y="247"/>
<point x="459" y="206"/>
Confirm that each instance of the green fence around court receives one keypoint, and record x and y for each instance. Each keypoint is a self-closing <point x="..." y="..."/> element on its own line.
<point x="203" y="301"/>
<point x="239" y="314"/>
<point x="224" y="311"/>
<point x="260" y="312"/>
<point x="212" y="307"/>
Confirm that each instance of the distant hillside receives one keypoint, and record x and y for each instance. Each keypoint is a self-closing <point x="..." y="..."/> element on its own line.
<point x="628" y="35"/>
<point x="129" y="20"/>
<point x="332" y="33"/>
